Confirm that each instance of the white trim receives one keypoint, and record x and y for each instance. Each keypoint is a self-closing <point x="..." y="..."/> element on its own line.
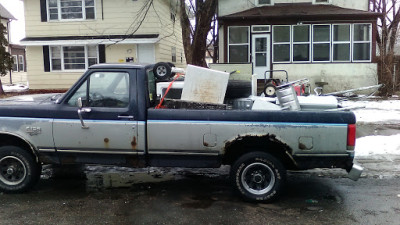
<point x="263" y="31"/>
<point x="341" y="42"/>
<point x="62" y="58"/>
<point x="92" y="42"/>
<point x="240" y="44"/>
<point x="59" y="16"/>
<point x="362" y="42"/>
<point x="321" y="42"/>
<point x="301" y="43"/>
<point x="282" y="43"/>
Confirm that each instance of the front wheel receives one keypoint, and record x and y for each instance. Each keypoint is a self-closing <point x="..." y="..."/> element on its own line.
<point x="18" y="169"/>
<point x="258" y="176"/>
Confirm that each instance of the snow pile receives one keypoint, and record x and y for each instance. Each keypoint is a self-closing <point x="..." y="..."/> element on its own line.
<point x="376" y="112"/>
<point x="378" y="145"/>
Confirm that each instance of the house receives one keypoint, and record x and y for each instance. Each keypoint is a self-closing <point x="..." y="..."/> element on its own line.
<point x="330" y="42"/>
<point x="65" y="37"/>
<point x="17" y="74"/>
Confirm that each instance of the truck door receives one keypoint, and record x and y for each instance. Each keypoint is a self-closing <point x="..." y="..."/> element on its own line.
<point x="96" y="123"/>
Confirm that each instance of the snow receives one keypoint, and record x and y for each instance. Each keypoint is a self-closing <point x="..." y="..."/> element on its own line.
<point x="381" y="113"/>
<point x="378" y="145"/>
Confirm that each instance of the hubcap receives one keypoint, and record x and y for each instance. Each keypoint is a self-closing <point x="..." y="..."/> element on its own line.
<point x="258" y="178"/>
<point x="161" y="70"/>
<point x="12" y="170"/>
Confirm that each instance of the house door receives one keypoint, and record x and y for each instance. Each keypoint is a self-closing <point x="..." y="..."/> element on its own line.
<point x="146" y="53"/>
<point x="260" y="56"/>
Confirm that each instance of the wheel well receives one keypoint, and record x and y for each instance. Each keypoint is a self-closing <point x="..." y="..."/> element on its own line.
<point x="8" y="139"/>
<point x="267" y="143"/>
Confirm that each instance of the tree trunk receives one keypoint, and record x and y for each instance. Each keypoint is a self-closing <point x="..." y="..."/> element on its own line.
<point x="1" y="88"/>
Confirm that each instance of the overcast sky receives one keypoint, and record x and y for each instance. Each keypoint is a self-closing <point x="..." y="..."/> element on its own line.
<point x="16" y="8"/>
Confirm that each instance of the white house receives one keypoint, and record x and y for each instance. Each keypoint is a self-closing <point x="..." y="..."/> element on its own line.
<point x="331" y="42"/>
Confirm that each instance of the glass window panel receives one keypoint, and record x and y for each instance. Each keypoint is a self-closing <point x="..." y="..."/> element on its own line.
<point x="74" y="66"/>
<point x="238" y="35"/>
<point x="361" y="32"/>
<point x="109" y="90"/>
<point x="341" y="52"/>
<point x="322" y="33"/>
<point x="281" y="34"/>
<point x="260" y="28"/>
<point x="56" y="64"/>
<point x="55" y="51"/>
<point x="52" y="3"/>
<point x="92" y="51"/>
<point x="261" y="44"/>
<point x="15" y="63"/>
<point x="20" y="63"/>
<point x="238" y="53"/>
<point x="264" y="2"/>
<point x="301" y="52"/>
<point x="261" y="59"/>
<point x="92" y="61"/>
<point x="70" y="3"/>
<point x="361" y="51"/>
<point x="341" y="32"/>
<point x="301" y="33"/>
<point x="321" y="52"/>
<point x="281" y="53"/>
<point x="89" y="13"/>
<point x="89" y="3"/>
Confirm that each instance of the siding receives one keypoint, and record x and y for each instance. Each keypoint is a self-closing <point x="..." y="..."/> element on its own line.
<point x="119" y="19"/>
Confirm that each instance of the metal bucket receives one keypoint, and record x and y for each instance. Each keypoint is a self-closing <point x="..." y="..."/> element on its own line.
<point x="288" y="98"/>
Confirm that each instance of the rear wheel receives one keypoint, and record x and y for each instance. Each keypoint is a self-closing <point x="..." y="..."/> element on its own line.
<point x="162" y="71"/>
<point x="18" y="169"/>
<point x="270" y="90"/>
<point x="258" y="176"/>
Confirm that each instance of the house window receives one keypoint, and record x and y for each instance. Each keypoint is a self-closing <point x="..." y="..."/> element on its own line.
<point x="341" y="43"/>
<point x="21" y="63"/>
<point x="238" y="44"/>
<point x="301" y="43"/>
<point x="321" y="43"/>
<point x="281" y="43"/>
<point x="361" y="42"/>
<point x="15" y="63"/>
<point x="260" y="28"/>
<point x="329" y="43"/>
<point x="322" y="1"/>
<point x="264" y="2"/>
<point x="71" y="9"/>
<point x="173" y="53"/>
<point x="73" y="57"/>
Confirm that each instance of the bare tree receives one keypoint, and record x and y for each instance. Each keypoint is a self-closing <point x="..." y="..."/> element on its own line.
<point x="6" y="61"/>
<point x="388" y="25"/>
<point x="195" y="35"/>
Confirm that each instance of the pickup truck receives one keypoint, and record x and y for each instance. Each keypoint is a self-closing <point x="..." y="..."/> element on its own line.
<point x="109" y="117"/>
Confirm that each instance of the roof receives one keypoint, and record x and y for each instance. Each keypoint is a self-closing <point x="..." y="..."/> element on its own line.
<point x="4" y="13"/>
<point x="100" y="39"/>
<point x="301" y="11"/>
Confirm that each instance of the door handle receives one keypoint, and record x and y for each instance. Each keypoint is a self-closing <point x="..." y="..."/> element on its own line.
<point x="125" y="117"/>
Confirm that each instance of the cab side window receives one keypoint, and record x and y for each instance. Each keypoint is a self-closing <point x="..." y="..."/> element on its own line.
<point x="103" y="89"/>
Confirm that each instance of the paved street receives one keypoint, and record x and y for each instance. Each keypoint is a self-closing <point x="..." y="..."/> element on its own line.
<point x="179" y="196"/>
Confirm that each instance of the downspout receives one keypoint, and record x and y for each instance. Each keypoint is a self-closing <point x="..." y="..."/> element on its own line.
<point x="9" y="48"/>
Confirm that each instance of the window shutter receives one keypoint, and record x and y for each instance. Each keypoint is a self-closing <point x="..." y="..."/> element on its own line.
<point x="102" y="53"/>
<point x="43" y="10"/>
<point x="46" y="58"/>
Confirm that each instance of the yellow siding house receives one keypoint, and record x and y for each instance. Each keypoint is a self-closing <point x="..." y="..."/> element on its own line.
<point x="65" y="37"/>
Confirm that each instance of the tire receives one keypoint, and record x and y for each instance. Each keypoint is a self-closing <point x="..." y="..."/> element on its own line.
<point x="258" y="177"/>
<point x="162" y="71"/>
<point x="18" y="169"/>
<point x="238" y="89"/>
<point x="270" y="90"/>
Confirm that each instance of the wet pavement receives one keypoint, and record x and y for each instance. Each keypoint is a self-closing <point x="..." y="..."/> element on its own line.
<point x="113" y="195"/>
